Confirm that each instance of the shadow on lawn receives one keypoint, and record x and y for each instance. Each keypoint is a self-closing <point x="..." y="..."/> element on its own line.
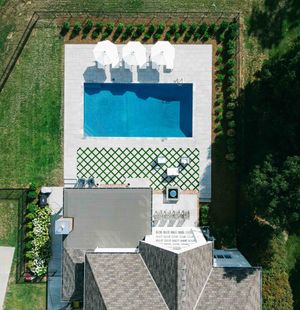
<point x="270" y="23"/>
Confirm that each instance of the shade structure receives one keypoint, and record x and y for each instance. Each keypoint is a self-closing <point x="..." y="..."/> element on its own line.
<point x="163" y="54"/>
<point x="106" y="53"/>
<point x="134" y="54"/>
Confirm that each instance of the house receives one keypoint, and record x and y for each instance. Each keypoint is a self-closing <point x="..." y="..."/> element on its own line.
<point x="114" y="259"/>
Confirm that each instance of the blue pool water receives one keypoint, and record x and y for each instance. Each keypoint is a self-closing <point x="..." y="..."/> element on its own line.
<point x="138" y="110"/>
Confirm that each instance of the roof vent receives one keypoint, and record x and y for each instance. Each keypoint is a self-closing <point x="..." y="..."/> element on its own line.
<point x="63" y="226"/>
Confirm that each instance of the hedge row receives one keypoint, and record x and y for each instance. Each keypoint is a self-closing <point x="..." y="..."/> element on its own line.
<point x="37" y="238"/>
<point x="226" y="101"/>
<point x="144" y="32"/>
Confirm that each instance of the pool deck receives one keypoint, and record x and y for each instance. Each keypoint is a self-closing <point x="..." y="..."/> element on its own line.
<point x="193" y="64"/>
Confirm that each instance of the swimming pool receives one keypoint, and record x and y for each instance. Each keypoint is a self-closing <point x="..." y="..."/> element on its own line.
<point x="138" y="110"/>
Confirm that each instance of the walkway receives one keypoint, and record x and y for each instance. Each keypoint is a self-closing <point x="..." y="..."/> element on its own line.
<point x="6" y="257"/>
<point x="54" y="301"/>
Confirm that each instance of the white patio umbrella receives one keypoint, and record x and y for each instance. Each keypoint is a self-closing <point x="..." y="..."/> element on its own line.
<point x="134" y="54"/>
<point x="106" y="53"/>
<point x="163" y="53"/>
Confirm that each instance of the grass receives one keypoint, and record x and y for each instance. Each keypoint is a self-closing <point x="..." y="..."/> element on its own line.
<point x="18" y="296"/>
<point x="30" y="116"/>
<point x="293" y="264"/>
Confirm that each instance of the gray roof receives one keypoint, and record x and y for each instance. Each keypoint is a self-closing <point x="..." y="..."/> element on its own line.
<point x="107" y="217"/>
<point x="104" y="217"/>
<point x="232" y="288"/>
<point x="124" y="282"/>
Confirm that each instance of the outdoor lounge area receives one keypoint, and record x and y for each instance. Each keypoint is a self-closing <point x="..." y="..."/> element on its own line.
<point x="192" y="64"/>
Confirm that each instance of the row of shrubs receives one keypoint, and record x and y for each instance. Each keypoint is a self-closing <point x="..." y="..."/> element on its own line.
<point x="226" y="102"/>
<point x="159" y="31"/>
<point x="36" y="237"/>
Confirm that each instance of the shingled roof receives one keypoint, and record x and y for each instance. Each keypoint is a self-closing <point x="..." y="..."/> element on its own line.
<point x="232" y="288"/>
<point x="123" y="282"/>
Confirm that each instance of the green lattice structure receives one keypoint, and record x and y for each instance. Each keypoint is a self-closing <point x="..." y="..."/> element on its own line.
<point x="114" y="165"/>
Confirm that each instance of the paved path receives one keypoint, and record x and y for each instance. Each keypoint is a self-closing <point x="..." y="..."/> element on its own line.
<point x="54" y="301"/>
<point x="6" y="257"/>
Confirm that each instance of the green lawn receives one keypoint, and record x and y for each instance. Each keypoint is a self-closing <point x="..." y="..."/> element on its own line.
<point x="18" y="296"/>
<point x="30" y="115"/>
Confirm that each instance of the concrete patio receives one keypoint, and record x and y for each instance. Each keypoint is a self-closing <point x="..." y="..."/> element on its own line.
<point x="193" y="64"/>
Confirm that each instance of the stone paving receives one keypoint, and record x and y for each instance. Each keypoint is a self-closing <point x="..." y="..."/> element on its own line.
<point x="193" y="64"/>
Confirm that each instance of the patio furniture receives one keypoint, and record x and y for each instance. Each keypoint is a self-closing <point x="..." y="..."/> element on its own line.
<point x="172" y="172"/>
<point x="172" y="193"/>
<point x="91" y="182"/>
<point x="81" y="183"/>
<point x="184" y="160"/>
<point x="161" y="160"/>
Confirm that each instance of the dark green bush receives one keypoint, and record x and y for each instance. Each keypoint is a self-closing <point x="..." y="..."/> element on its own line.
<point x="197" y="36"/>
<point x="157" y="36"/>
<point x="31" y="208"/>
<point x="95" y="34"/>
<point x="105" y="35"/>
<point x="30" y="216"/>
<point x="140" y="29"/>
<point x="219" y="60"/>
<point x="230" y="63"/>
<point x="88" y="26"/>
<point x="230" y="90"/>
<point x="230" y="156"/>
<point x="223" y="26"/>
<point x="204" y="215"/>
<point x="147" y="36"/>
<point x="219" y="101"/>
<point x="28" y="245"/>
<point x="168" y="36"/>
<point x="221" y="38"/>
<point x="176" y="36"/>
<point x="173" y="28"/>
<point x="76" y="28"/>
<point x="65" y="28"/>
<point x="109" y="28"/>
<point x="220" y="77"/>
<point x="124" y="36"/>
<point x="29" y="225"/>
<point x="160" y="28"/>
<point x="219" y="128"/>
<point x="99" y="27"/>
<point x="205" y="37"/>
<point x="183" y="27"/>
<point x="212" y="29"/>
<point x="230" y="52"/>
<point x="120" y="27"/>
<point x="230" y="148"/>
<point x="231" y="72"/>
<point x="219" y="118"/>
<point x="230" y="44"/>
<point x="187" y="36"/>
<point x="129" y="30"/>
<point x="230" y="80"/>
<point x="193" y="28"/>
<point x="218" y="110"/>
<point x="232" y="31"/>
<point x="220" y="67"/>
<point x="32" y="186"/>
<point x="151" y="29"/>
<point x="31" y="195"/>
<point x="231" y="124"/>
<point x="230" y="141"/>
<point x="230" y="115"/>
<point x="220" y="50"/>
<point x="202" y="29"/>
<point x="231" y="132"/>
<point x="230" y="105"/>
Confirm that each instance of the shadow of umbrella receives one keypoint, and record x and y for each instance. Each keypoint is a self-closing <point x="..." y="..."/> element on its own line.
<point x="94" y="75"/>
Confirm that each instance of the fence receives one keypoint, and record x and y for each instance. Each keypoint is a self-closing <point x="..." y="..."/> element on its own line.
<point x="20" y="196"/>
<point x="134" y="17"/>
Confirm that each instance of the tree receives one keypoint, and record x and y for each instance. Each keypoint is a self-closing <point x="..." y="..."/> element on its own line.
<point x="274" y="192"/>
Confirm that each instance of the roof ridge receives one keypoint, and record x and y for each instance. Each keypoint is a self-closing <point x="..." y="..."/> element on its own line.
<point x="153" y="279"/>
<point x="199" y="297"/>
